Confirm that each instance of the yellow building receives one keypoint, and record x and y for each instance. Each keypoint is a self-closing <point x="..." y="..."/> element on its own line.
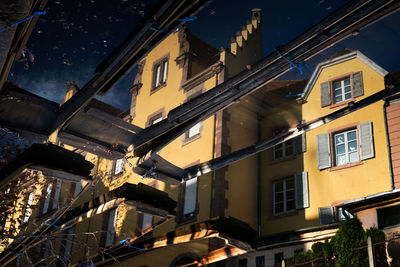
<point x="307" y="180"/>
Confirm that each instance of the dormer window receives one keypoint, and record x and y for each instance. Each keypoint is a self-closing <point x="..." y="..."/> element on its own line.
<point x="160" y="71"/>
<point x="342" y="90"/>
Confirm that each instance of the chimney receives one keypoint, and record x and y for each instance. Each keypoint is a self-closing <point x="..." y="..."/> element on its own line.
<point x="256" y="14"/>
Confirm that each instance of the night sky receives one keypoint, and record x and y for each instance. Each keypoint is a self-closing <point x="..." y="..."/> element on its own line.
<point x="76" y="35"/>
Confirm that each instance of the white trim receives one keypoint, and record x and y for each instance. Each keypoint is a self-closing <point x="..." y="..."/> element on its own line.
<point x="337" y="60"/>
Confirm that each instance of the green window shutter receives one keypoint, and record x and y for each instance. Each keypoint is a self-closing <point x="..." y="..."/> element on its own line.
<point x="358" y="85"/>
<point x="323" y="151"/>
<point x="301" y="189"/>
<point x="326" y="215"/>
<point x="366" y="141"/>
<point x="299" y="144"/>
<point x="325" y="94"/>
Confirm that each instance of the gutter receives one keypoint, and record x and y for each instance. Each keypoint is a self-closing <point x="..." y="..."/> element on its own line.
<point x="385" y="105"/>
<point x="259" y="202"/>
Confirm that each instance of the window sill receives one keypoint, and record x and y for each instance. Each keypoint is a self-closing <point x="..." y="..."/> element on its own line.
<point x="345" y="166"/>
<point x="343" y="103"/>
<point x="155" y="89"/>
<point x="186" y="141"/>
<point x="285" y="214"/>
<point x="275" y="161"/>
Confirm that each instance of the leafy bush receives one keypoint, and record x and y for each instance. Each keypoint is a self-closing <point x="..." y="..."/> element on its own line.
<point x="341" y="249"/>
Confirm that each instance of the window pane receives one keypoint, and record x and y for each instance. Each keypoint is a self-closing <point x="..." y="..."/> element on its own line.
<point x="338" y="92"/>
<point x="347" y="96"/>
<point x="279" y="197"/>
<point x="338" y="99"/>
<point x="347" y="89"/>
<point x="339" y="138"/>
<point x="289" y="184"/>
<point x="147" y="221"/>
<point x="353" y="156"/>
<point x="340" y="149"/>
<point x="289" y="150"/>
<point x="278" y="207"/>
<point x="164" y="78"/>
<point x="278" y="154"/>
<point x="352" y="135"/>
<point x="337" y="84"/>
<point x="340" y="160"/>
<point x="347" y="81"/>
<point x="290" y="194"/>
<point x="158" y="70"/>
<point x="157" y="120"/>
<point x="290" y="205"/>
<point x="190" y="196"/>
<point x="279" y="187"/>
<point x="352" y="146"/>
<point x="119" y="166"/>
<point x="195" y="130"/>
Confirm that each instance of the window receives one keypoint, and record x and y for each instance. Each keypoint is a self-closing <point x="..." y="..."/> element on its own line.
<point x="57" y="194"/>
<point x="346" y="147"/>
<point x="28" y="211"/>
<point x="189" y="206"/>
<point x="326" y="215"/>
<point x="195" y="131"/>
<point x="342" y="90"/>
<point x="290" y="147"/>
<point x="160" y="72"/>
<point x="290" y="193"/>
<point x="243" y="263"/>
<point x="388" y="217"/>
<point x="68" y="245"/>
<point x="351" y="145"/>
<point x="260" y="261"/>
<point x="47" y="199"/>
<point x="155" y="119"/>
<point x="147" y="222"/>
<point x="112" y="221"/>
<point x="284" y="149"/>
<point x="284" y="196"/>
<point x="278" y="258"/>
<point x="119" y="165"/>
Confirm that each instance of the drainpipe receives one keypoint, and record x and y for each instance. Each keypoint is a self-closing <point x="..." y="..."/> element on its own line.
<point x="386" y="104"/>
<point x="259" y="177"/>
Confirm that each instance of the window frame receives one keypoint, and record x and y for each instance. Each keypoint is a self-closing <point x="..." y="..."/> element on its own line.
<point x="335" y="104"/>
<point x="284" y="156"/>
<point x="344" y="129"/>
<point x="160" y="79"/>
<point x="186" y="138"/>
<point x="380" y="222"/>
<point x="284" y="181"/>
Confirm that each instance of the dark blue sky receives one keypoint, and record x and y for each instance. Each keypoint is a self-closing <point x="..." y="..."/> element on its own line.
<point x="75" y="35"/>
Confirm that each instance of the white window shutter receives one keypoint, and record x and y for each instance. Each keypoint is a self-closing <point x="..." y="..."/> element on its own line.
<point x="358" y="86"/>
<point x="57" y="194"/>
<point x="325" y="94"/>
<point x="47" y="199"/>
<point x="301" y="187"/>
<point x="190" y="196"/>
<point x="300" y="144"/>
<point x="323" y="151"/>
<point x="366" y="141"/>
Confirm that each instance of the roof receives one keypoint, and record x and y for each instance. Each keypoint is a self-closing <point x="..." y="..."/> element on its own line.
<point x="342" y="56"/>
<point x="372" y="200"/>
